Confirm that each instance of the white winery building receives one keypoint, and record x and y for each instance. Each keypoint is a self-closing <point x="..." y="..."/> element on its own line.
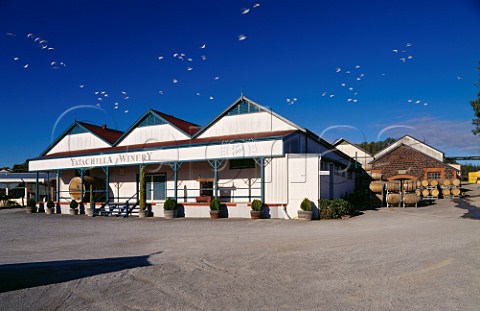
<point x="247" y="152"/>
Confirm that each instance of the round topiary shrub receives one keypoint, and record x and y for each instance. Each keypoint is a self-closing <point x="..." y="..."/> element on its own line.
<point x="73" y="204"/>
<point x="170" y="204"/>
<point x="257" y="205"/>
<point x="215" y="204"/>
<point x="306" y="205"/>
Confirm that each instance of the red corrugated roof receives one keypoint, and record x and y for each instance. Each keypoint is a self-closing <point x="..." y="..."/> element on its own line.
<point x="183" y="125"/>
<point x="192" y="142"/>
<point x="105" y="133"/>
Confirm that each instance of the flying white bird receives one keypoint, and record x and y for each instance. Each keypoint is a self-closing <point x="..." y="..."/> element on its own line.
<point x="409" y="57"/>
<point x="324" y="93"/>
<point x="403" y="59"/>
<point x="211" y="98"/>
<point x="338" y="69"/>
<point x="189" y="59"/>
<point x="216" y="78"/>
<point x="98" y="105"/>
<point x="245" y="11"/>
<point x="459" y="78"/>
<point x="160" y="92"/>
<point x="51" y="49"/>
<point x="124" y="93"/>
<point x="417" y="102"/>
<point x="203" y="46"/>
<point x="408" y="44"/>
<point x="256" y="5"/>
<point x="189" y="68"/>
<point x="355" y="100"/>
<point x="241" y="37"/>
<point x="343" y="84"/>
<point x="395" y="51"/>
<point x="10" y="34"/>
<point x="204" y="57"/>
<point x="332" y="95"/>
<point x="198" y="94"/>
<point x="356" y="67"/>
<point x="82" y="86"/>
<point x="16" y="58"/>
<point x="126" y="111"/>
<point x="160" y="57"/>
<point x="126" y="97"/>
<point x="175" y="81"/>
<point x="26" y="66"/>
<point x="347" y="72"/>
<point x="410" y="100"/>
<point x="30" y="35"/>
<point x="425" y="104"/>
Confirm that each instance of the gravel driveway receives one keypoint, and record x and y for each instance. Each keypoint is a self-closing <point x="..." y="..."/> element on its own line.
<point x="388" y="259"/>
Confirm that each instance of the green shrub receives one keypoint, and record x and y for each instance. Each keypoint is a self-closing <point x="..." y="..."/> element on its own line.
<point x="215" y="204"/>
<point x="31" y="203"/>
<point x="333" y="209"/>
<point x="170" y="204"/>
<point x="257" y="205"/>
<point x="50" y="204"/>
<point x="306" y="205"/>
<point x="73" y="204"/>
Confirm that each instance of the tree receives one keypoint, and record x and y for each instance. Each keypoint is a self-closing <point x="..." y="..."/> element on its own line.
<point x="476" y="110"/>
<point x="20" y="168"/>
<point x="375" y="146"/>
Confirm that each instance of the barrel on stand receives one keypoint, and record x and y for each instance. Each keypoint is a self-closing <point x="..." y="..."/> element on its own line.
<point x="433" y="182"/>
<point x="75" y="188"/>
<point x="424" y="183"/>
<point x="455" y="192"/>
<point x="411" y="198"/>
<point x="409" y="185"/>
<point x="393" y="198"/>
<point x="376" y="175"/>
<point x="376" y="186"/>
<point x="456" y="182"/>
<point x="393" y="186"/>
<point x="434" y="192"/>
<point x="445" y="192"/>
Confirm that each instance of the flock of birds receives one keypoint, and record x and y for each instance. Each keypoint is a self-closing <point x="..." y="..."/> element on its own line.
<point x="351" y="77"/>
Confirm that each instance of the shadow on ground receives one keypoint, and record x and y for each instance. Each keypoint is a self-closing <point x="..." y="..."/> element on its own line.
<point x="473" y="212"/>
<point x="26" y="275"/>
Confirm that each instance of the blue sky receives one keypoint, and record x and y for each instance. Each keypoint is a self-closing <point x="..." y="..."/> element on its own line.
<point x="308" y="50"/>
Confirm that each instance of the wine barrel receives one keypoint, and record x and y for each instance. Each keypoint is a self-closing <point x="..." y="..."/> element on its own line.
<point x="446" y="192"/>
<point x="456" y="182"/>
<point x="418" y="192"/>
<point x="376" y="175"/>
<point x="376" y="186"/>
<point x="424" y="183"/>
<point x="446" y="182"/>
<point x="425" y="192"/>
<point x="409" y="185"/>
<point x="367" y="167"/>
<point x="393" y="198"/>
<point x="434" y="192"/>
<point x="392" y="185"/>
<point x="455" y="191"/>
<point x="411" y="198"/>
<point x="75" y="188"/>
<point x="433" y="182"/>
<point x="419" y="183"/>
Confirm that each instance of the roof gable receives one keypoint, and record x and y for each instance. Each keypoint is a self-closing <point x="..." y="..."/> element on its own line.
<point x="415" y="144"/>
<point x="343" y="141"/>
<point x="108" y="136"/>
<point x="244" y="105"/>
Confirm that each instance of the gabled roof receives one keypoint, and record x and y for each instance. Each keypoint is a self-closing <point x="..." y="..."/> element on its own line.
<point x="341" y="140"/>
<point x="393" y="146"/>
<point x="183" y="126"/>
<point x="107" y="135"/>
<point x="409" y="147"/>
<point x="238" y="101"/>
<point x="187" y="127"/>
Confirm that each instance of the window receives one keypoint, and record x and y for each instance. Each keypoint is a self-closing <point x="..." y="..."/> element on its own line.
<point x="206" y="188"/>
<point x="156" y="187"/>
<point x="151" y="120"/>
<point x="433" y="175"/>
<point x="242" y="163"/>
<point x="242" y="108"/>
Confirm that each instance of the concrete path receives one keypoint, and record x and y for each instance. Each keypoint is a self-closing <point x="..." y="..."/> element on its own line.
<point x="388" y="259"/>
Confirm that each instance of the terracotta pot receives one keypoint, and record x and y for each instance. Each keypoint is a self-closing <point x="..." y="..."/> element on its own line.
<point x="304" y="215"/>
<point x="214" y="214"/>
<point x="256" y="214"/>
<point x="169" y="214"/>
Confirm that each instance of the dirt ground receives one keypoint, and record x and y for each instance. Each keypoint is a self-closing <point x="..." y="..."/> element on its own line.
<point x="424" y="258"/>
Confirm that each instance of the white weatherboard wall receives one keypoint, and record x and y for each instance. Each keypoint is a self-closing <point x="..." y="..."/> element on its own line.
<point x="74" y="142"/>
<point x="153" y="134"/>
<point x="303" y="181"/>
<point x="258" y="122"/>
<point x="355" y="153"/>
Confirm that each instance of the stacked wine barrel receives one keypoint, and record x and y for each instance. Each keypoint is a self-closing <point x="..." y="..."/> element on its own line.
<point x="428" y="189"/>
<point x="410" y="195"/>
<point x="376" y="188"/>
<point x="393" y="189"/>
<point x="450" y="188"/>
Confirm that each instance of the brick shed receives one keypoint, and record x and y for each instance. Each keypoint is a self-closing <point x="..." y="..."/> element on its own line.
<point x="406" y="162"/>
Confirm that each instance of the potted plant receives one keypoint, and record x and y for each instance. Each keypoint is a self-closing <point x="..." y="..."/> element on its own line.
<point x="170" y="208"/>
<point x="256" y="212"/>
<point x="50" y="206"/>
<point x="142" y="200"/>
<point x="73" y="207"/>
<point x="305" y="212"/>
<point x="31" y="206"/>
<point x="89" y="210"/>
<point x="215" y="208"/>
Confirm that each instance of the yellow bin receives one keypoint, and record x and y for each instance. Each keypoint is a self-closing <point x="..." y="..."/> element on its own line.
<point x="472" y="177"/>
